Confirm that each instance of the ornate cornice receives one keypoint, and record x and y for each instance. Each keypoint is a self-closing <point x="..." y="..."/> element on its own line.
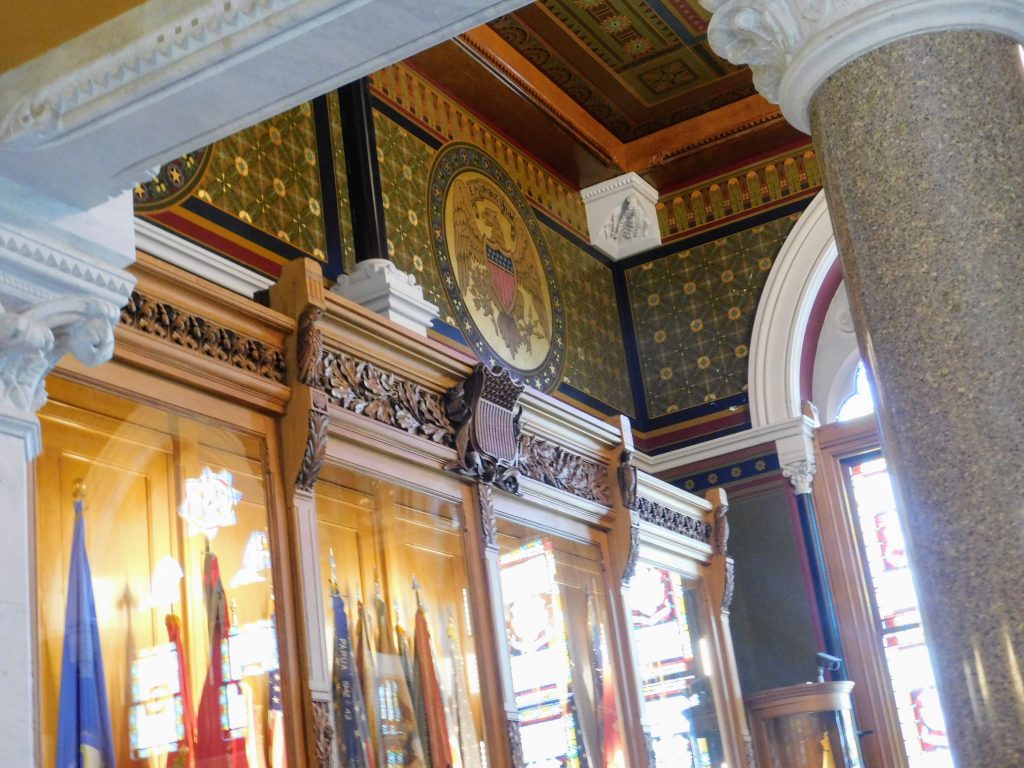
<point x="361" y="387"/>
<point x="560" y="468"/>
<point x="204" y="337"/>
<point x="49" y="114"/>
<point x="793" y="46"/>
<point x="665" y="517"/>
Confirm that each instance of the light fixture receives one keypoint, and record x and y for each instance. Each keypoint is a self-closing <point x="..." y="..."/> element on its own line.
<point x="255" y="561"/>
<point x="210" y="502"/>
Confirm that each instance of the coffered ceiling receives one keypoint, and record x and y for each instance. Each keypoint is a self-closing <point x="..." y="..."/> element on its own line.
<point x="595" y="88"/>
<point x="636" y="67"/>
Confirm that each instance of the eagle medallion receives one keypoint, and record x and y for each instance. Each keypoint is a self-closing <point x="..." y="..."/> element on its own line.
<point x="495" y="266"/>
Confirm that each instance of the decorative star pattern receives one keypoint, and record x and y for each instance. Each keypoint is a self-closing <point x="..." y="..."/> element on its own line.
<point x="693" y="314"/>
<point x="268" y="177"/>
<point x="595" y="361"/>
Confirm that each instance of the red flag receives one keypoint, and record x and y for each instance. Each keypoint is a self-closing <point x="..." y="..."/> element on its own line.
<point x="185" y="755"/>
<point x="429" y="690"/>
<point x="217" y="747"/>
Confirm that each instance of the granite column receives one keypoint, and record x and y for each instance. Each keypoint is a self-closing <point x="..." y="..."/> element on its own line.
<point x="922" y="147"/>
<point x="916" y="108"/>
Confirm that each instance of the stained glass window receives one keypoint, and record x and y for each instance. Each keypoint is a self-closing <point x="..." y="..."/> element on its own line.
<point x="898" y="615"/>
<point x="562" y="671"/>
<point x="674" y="666"/>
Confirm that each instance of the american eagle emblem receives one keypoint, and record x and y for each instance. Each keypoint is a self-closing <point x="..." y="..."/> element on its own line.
<point x="495" y="267"/>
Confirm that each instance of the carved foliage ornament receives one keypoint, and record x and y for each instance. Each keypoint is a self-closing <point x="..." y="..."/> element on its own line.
<point x="31" y="343"/>
<point x="310" y="361"/>
<point x="488" y="517"/>
<point x="484" y="411"/>
<point x="198" y="334"/>
<point x="363" y="388"/>
<point x="670" y="519"/>
<point x="515" y="744"/>
<point x="323" y="733"/>
<point x="801" y="474"/>
<point x="560" y="468"/>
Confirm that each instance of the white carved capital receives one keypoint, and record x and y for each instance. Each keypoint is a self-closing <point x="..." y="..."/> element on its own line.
<point x="62" y="284"/>
<point x="801" y="474"/>
<point x="793" y="46"/>
<point x="622" y="216"/>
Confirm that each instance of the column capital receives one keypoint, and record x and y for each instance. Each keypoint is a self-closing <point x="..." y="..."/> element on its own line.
<point x="793" y="46"/>
<point x="62" y="284"/>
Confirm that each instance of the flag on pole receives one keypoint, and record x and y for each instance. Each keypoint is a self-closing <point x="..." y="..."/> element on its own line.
<point x="185" y="755"/>
<point x="368" y="679"/>
<point x="275" y="722"/>
<point x="469" y="744"/>
<point x="218" y="746"/>
<point x="430" y="706"/>
<point x="351" y="722"/>
<point x="84" y="734"/>
<point x="398" y="730"/>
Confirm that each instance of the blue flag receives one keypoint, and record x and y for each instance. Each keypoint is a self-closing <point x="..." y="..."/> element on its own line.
<point x="84" y="737"/>
<point x="351" y="724"/>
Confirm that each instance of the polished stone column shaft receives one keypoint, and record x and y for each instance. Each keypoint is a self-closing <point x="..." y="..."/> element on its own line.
<point x="922" y="147"/>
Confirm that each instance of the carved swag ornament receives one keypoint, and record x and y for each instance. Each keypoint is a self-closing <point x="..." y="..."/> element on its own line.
<point x="553" y="465"/>
<point x="185" y="329"/>
<point x="363" y="388"/>
<point x="483" y="411"/>
<point x="659" y="514"/>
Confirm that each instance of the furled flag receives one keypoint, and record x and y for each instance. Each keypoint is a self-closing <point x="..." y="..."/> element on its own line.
<point x="275" y="722"/>
<point x="399" y="734"/>
<point x="604" y="688"/>
<point x="217" y="745"/>
<point x="185" y="755"/>
<point x="430" y="706"/>
<point x="367" y="673"/>
<point x="469" y="745"/>
<point x="351" y="722"/>
<point x="84" y="735"/>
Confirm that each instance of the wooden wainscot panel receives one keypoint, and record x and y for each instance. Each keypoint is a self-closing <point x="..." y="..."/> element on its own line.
<point x="188" y="330"/>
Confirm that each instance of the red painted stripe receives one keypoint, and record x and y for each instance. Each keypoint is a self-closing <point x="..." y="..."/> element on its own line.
<point x="217" y="242"/>
<point x="812" y="333"/>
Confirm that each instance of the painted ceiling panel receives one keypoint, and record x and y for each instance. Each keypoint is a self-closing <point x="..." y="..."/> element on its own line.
<point x="637" y="66"/>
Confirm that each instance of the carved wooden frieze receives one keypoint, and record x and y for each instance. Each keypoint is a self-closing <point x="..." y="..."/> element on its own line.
<point x="483" y="410"/>
<point x="677" y="522"/>
<point x="188" y="330"/>
<point x="556" y="466"/>
<point x="363" y="388"/>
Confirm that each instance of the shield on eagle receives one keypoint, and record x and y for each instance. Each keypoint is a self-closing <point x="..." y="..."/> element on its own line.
<point x="496" y="394"/>
<point x="503" y="275"/>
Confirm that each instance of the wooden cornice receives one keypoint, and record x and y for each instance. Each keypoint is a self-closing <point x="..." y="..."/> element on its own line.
<point x="644" y="154"/>
<point x="510" y="66"/>
<point x="699" y="133"/>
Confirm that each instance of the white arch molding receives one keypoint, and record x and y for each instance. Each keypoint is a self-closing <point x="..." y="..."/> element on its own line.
<point x="780" y="324"/>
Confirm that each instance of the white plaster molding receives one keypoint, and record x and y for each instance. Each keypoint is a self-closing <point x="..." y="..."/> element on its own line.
<point x="721" y="446"/>
<point x="777" y="341"/>
<point x="379" y="285"/>
<point x="165" y="78"/>
<point x="60" y="291"/>
<point x="193" y="258"/>
<point x="793" y="46"/>
<point x="622" y="216"/>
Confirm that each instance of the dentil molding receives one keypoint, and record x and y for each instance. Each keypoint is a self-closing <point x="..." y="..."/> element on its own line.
<point x="793" y="46"/>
